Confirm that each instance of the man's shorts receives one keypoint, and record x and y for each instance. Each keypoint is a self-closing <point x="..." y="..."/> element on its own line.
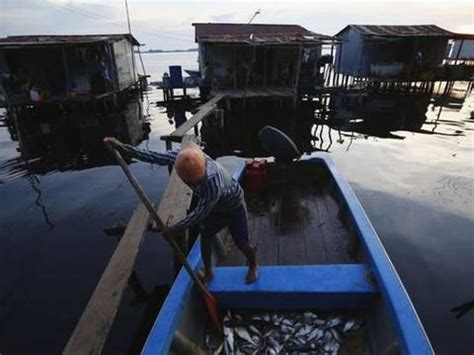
<point x="236" y="220"/>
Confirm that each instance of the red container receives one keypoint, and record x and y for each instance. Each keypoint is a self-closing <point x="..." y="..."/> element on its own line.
<point x="256" y="173"/>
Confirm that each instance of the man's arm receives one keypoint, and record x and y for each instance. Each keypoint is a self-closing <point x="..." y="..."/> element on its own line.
<point x="164" y="158"/>
<point x="205" y="205"/>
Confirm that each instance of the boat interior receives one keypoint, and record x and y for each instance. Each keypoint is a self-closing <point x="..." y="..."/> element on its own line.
<point x="296" y="220"/>
<point x="310" y="258"/>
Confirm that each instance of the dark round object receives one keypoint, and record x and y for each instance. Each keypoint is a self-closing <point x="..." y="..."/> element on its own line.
<point x="278" y="144"/>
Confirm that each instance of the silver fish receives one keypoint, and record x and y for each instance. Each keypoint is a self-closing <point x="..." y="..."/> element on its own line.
<point x="229" y="340"/>
<point x="219" y="349"/>
<point x="275" y="333"/>
<point x="348" y="326"/>
<point x="227" y="316"/>
<point x="335" y="335"/>
<point x="267" y="334"/>
<point x="274" y="344"/>
<point x="319" y="322"/>
<point x="256" y="340"/>
<point x="308" y="316"/>
<point x="244" y="334"/>
<point x="255" y="330"/>
<point x="301" y="332"/>
<point x="300" y="340"/>
<point x="315" y="334"/>
<point x="334" y="321"/>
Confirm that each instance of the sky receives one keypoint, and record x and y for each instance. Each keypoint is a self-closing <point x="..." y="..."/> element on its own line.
<point x="167" y="24"/>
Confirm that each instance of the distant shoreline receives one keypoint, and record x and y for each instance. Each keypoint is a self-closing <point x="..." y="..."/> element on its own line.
<point x="170" y="50"/>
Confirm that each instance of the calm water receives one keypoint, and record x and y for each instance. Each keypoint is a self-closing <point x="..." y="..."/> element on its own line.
<point x="60" y="194"/>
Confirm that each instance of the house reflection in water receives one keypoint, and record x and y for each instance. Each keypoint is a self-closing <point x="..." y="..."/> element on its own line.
<point x="378" y="115"/>
<point x="321" y="125"/>
<point x="50" y="139"/>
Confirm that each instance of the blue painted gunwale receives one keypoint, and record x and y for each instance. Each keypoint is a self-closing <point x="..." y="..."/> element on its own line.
<point x="162" y="333"/>
<point x="407" y="323"/>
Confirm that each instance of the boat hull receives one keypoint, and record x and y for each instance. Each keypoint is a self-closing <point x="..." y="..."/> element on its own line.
<point x="372" y="286"/>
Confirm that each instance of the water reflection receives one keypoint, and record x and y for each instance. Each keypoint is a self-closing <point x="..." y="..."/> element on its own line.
<point x="57" y="202"/>
<point x="378" y="115"/>
<point x="50" y="139"/>
<point x="320" y="125"/>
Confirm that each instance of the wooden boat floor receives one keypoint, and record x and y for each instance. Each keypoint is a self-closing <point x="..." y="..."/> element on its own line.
<point x="295" y="223"/>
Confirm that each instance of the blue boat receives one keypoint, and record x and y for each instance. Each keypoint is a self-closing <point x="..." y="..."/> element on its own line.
<point x="317" y="251"/>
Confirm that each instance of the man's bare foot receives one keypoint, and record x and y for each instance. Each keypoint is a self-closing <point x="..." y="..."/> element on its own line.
<point x="207" y="277"/>
<point x="252" y="274"/>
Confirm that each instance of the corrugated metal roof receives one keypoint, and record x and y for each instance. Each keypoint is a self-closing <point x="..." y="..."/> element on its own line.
<point x="256" y="33"/>
<point x="46" y="40"/>
<point x="466" y="36"/>
<point x="400" y="31"/>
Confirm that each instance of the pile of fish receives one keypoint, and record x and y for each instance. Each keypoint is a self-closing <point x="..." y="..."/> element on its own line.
<point x="286" y="332"/>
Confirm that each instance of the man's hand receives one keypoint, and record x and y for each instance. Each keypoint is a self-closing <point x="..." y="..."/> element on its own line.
<point x="112" y="143"/>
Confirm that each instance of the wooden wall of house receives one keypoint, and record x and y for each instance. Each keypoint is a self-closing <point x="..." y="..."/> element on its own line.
<point x="349" y="55"/>
<point x="311" y="74"/>
<point x="365" y="56"/>
<point x="238" y="66"/>
<point x="125" y="63"/>
<point x="4" y="72"/>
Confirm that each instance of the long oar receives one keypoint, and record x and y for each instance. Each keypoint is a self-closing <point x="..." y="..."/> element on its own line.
<point x="210" y="300"/>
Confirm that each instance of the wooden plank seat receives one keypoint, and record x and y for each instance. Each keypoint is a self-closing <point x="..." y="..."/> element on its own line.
<point x="338" y="286"/>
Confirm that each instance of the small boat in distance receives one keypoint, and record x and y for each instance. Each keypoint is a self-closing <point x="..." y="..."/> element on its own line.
<point x="318" y="252"/>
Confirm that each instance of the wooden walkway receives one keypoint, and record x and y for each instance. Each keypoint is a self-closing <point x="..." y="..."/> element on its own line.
<point x="91" y="331"/>
<point x="203" y="111"/>
<point x="257" y="92"/>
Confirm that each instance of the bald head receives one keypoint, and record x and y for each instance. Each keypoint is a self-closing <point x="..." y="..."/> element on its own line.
<point x="191" y="165"/>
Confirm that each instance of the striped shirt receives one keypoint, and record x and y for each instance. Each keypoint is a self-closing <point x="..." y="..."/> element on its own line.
<point x="218" y="192"/>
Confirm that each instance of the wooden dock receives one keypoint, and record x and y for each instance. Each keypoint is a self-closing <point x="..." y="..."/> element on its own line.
<point x="203" y="111"/>
<point x="257" y="92"/>
<point x="176" y="201"/>
<point x="91" y="331"/>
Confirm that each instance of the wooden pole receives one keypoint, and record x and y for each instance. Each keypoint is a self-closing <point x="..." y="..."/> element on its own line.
<point x="234" y="65"/>
<point x="459" y="52"/>
<point x="66" y="70"/>
<point x="328" y="79"/>
<point x="297" y="77"/>
<point x="264" y="66"/>
<point x="339" y="66"/>
<point x="128" y="17"/>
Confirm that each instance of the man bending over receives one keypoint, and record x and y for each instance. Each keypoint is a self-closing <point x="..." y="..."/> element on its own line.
<point x="221" y="199"/>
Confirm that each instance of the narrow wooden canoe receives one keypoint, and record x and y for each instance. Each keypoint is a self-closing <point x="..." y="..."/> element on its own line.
<point x="317" y="250"/>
